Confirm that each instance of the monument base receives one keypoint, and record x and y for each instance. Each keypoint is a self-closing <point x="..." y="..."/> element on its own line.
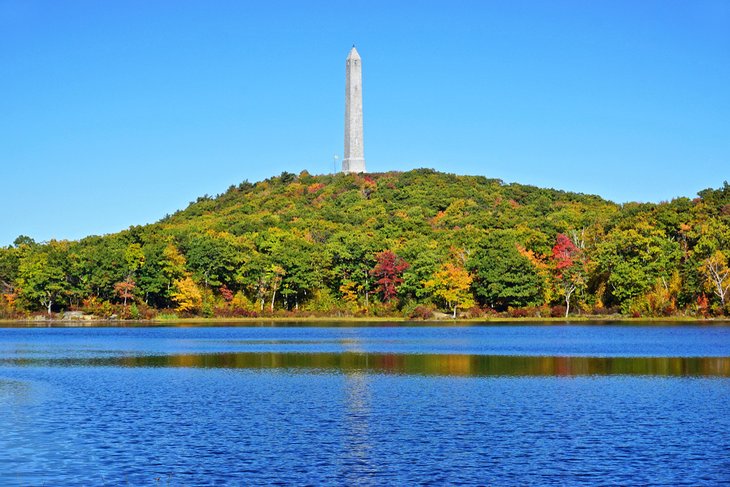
<point x="353" y="165"/>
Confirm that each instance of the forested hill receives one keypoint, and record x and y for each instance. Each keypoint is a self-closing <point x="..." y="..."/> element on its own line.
<point x="391" y="243"/>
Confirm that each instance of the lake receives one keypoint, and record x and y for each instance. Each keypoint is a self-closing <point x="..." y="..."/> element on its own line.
<point x="365" y="405"/>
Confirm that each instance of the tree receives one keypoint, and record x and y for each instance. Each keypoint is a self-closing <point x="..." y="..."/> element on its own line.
<point x="172" y="263"/>
<point x="9" y="263"/>
<point x="213" y="258"/>
<point x="425" y="257"/>
<point x="347" y="261"/>
<point x="452" y="283"/>
<point x="23" y="240"/>
<point x="569" y="261"/>
<point x="134" y="258"/>
<point x="712" y="250"/>
<point x="274" y="276"/>
<point x="717" y="274"/>
<point x="503" y="276"/>
<point x="630" y="260"/>
<point x="101" y="263"/>
<point x="125" y="289"/>
<point x="187" y="295"/>
<point x="41" y="280"/>
<point x="387" y="272"/>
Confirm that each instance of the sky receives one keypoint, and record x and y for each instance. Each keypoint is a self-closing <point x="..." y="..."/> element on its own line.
<point x="117" y="113"/>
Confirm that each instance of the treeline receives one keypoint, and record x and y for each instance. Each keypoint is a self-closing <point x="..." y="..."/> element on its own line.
<point x="388" y="244"/>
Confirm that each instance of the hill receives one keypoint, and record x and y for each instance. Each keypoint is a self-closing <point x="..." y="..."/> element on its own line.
<point x="390" y="243"/>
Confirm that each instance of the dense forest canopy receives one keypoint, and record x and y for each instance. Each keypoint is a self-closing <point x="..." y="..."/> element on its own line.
<point x="403" y="243"/>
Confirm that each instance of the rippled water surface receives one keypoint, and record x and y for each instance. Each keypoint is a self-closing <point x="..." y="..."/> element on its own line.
<point x="499" y="405"/>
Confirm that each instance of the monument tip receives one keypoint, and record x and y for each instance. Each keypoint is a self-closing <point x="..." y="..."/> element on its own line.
<point x="353" y="53"/>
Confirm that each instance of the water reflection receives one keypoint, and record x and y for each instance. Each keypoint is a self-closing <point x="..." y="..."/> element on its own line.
<point x="353" y="363"/>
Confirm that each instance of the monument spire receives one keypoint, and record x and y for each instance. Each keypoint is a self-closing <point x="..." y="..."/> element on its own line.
<point x="354" y="160"/>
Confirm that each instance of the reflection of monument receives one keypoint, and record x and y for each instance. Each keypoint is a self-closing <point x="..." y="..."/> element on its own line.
<point x="354" y="160"/>
<point x="358" y="437"/>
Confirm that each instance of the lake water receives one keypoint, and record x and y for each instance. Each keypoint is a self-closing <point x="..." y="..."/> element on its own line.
<point x="366" y="405"/>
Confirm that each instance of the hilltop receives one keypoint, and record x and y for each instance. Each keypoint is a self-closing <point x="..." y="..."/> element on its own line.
<point x="391" y="243"/>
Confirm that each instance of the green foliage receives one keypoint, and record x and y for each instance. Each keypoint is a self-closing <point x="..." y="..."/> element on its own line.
<point x="633" y="259"/>
<point x="42" y="277"/>
<point x="303" y="242"/>
<point x="504" y="277"/>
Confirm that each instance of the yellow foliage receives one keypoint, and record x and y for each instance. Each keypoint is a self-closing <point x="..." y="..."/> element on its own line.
<point x="349" y="291"/>
<point x="173" y="263"/>
<point x="187" y="295"/>
<point x="451" y="283"/>
<point x="241" y="301"/>
<point x="717" y="275"/>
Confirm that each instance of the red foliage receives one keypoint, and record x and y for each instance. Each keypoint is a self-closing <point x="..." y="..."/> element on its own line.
<point x="226" y="293"/>
<point x="125" y="289"/>
<point x="387" y="270"/>
<point x="518" y="312"/>
<point x="557" y="311"/>
<point x="421" y="312"/>
<point x="234" y="312"/>
<point x="703" y="305"/>
<point x="564" y="252"/>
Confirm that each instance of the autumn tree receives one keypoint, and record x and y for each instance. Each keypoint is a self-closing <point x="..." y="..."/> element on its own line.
<point x="388" y="273"/>
<point x="570" y="272"/>
<point x="172" y="263"/>
<point x="451" y="283"/>
<point x="134" y="258"/>
<point x="274" y="276"/>
<point x="717" y="274"/>
<point x="187" y="295"/>
<point x="125" y="289"/>
<point x="713" y="251"/>
<point x="9" y="263"/>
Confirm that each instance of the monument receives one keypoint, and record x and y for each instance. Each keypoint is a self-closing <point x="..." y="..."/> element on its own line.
<point x="354" y="160"/>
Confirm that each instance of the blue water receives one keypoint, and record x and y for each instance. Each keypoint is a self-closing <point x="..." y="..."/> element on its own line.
<point x="497" y="405"/>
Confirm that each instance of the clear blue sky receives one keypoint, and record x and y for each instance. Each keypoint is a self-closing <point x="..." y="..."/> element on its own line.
<point x="114" y="113"/>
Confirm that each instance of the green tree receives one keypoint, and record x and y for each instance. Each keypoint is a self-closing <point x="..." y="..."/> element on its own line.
<point x="631" y="260"/>
<point x="41" y="277"/>
<point x="213" y="259"/>
<point x="503" y="276"/>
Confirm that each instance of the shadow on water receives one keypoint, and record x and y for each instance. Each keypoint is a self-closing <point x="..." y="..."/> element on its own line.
<point x="413" y="364"/>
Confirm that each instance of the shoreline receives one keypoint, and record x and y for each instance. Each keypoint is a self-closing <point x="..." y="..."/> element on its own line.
<point x="339" y="321"/>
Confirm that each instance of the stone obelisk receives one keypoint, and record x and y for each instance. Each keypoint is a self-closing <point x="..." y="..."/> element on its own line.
<point x="354" y="160"/>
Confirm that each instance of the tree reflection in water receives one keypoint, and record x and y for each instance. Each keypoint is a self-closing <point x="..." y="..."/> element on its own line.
<point x="356" y="362"/>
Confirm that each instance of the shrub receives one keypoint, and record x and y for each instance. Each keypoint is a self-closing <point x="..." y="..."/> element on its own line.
<point x="321" y="300"/>
<point x="421" y="312"/>
<point x="602" y="310"/>
<point x="98" y="307"/>
<point x="517" y="312"/>
<point x="557" y="311"/>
